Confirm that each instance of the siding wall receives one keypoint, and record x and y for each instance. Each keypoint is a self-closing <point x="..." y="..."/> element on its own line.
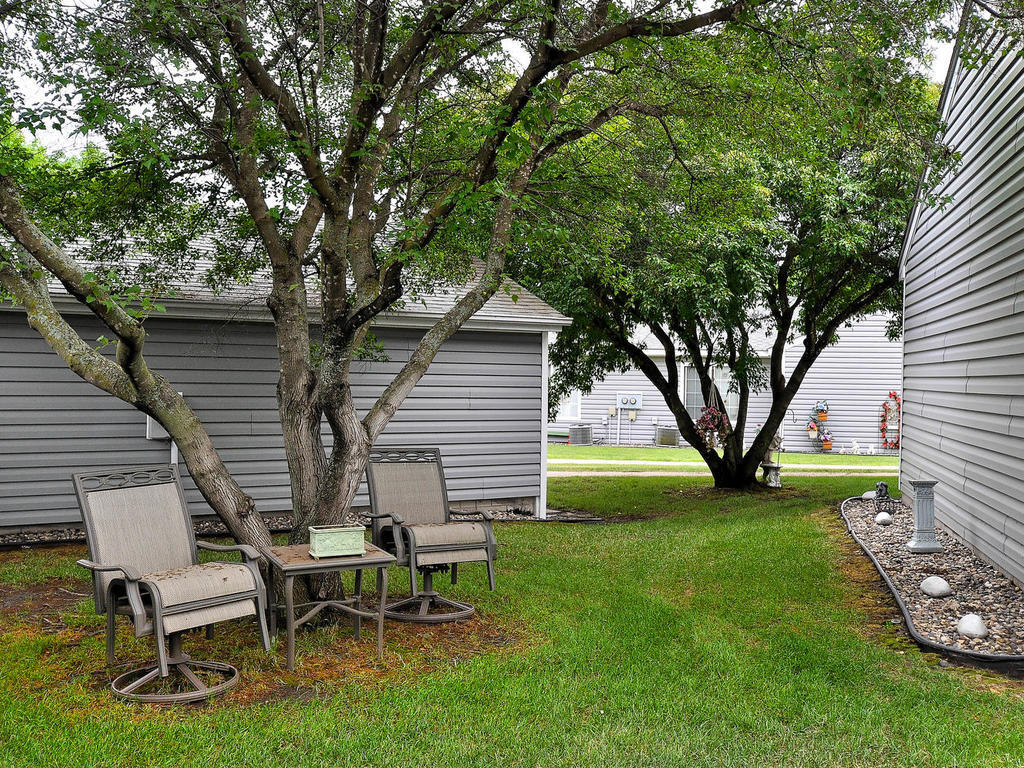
<point x="480" y="401"/>
<point x="855" y="376"/>
<point x="964" y="328"/>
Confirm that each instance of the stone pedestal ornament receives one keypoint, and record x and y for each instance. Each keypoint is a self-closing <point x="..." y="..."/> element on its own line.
<point x="924" y="540"/>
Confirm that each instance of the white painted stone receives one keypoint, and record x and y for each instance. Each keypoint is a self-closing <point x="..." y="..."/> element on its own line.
<point x="972" y="625"/>
<point x="869" y="495"/>
<point x="936" y="586"/>
<point x="883" y="518"/>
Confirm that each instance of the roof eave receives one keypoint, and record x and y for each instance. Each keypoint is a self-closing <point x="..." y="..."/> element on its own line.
<point x="183" y="309"/>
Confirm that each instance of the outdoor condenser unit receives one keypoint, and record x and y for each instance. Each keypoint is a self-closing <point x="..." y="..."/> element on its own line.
<point x="581" y="434"/>
<point x="668" y="436"/>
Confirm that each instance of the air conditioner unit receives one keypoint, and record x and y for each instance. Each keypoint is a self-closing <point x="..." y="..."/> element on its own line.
<point x="581" y="434"/>
<point x="667" y="436"/>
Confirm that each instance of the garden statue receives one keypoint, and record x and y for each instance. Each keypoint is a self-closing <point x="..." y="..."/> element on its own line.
<point x="771" y="477"/>
<point x="883" y="501"/>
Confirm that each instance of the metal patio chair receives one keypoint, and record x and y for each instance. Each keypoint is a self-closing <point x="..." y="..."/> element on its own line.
<point x="145" y="565"/>
<point x="411" y="519"/>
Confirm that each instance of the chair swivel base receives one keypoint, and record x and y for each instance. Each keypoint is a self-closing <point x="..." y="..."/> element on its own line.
<point x="131" y="685"/>
<point x="418" y="609"/>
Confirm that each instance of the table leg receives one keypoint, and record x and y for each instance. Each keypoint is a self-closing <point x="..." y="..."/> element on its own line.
<point x="358" y="595"/>
<point x="290" y="620"/>
<point x="382" y="579"/>
<point x="271" y="602"/>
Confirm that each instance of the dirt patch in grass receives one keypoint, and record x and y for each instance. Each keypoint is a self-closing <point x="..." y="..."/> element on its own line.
<point x="333" y="657"/>
<point x="328" y="656"/>
<point x="42" y="603"/>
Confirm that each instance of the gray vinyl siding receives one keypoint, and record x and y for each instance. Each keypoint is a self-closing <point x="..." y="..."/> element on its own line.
<point x="855" y="375"/>
<point x="594" y="407"/>
<point x="964" y="322"/>
<point x="480" y="401"/>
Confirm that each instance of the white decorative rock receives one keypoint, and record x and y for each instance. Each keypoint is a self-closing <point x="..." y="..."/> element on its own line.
<point x="971" y="625"/>
<point x="936" y="586"/>
<point x="883" y="518"/>
<point x="869" y="495"/>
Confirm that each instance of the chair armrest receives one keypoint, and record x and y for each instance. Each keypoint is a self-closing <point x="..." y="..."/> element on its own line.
<point x="247" y="552"/>
<point x="397" y="519"/>
<point x="129" y="573"/>
<point x="485" y="514"/>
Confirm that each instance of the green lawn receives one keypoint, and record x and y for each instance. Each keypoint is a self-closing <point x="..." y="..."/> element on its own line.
<point x="616" y="453"/>
<point x="721" y="631"/>
<point x="678" y="468"/>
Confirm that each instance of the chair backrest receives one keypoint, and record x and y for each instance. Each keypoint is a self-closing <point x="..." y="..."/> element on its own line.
<point x="408" y="482"/>
<point x="137" y="517"/>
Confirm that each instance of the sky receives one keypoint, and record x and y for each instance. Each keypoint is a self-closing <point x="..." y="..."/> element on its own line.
<point x="941" y="53"/>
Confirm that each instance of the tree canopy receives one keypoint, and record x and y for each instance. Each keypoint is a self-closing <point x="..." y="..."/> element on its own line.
<point x="766" y="207"/>
<point x="352" y="151"/>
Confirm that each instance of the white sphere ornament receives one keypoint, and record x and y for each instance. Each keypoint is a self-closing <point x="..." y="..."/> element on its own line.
<point x="972" y="625"/>
<point x="936" y="586"/>
<point x="883" y="518"/>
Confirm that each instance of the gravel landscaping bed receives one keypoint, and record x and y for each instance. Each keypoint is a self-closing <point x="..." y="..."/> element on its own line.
<point x="977" y="586"/>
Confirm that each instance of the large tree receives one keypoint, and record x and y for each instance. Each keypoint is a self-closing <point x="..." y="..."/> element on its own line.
<point x="330" y="142"/>
<point x="778" y="218"/>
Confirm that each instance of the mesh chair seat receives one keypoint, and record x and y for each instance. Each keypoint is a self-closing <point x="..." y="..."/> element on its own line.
<point x="448" y="534"/>
<point x="232" y="583"/>
<point x="455" y="543"/>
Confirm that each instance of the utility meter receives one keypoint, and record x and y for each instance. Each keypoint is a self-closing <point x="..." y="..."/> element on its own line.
<point x="630" y="401"/>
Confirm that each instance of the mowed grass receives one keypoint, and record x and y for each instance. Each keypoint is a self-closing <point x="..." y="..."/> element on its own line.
<point x="677" y="468"/>
<point x="619" y="453"/>
<point x="719" y="630"/>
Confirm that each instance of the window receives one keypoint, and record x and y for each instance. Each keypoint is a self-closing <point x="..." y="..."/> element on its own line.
<point x="569" y="407"/>
<point x="693" y="399"/>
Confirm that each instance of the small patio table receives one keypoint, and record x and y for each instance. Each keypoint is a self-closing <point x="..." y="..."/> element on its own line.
<point x="294" y="560"/>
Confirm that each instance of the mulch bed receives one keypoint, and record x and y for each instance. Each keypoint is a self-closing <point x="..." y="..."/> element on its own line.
<point x="977" y="586"/>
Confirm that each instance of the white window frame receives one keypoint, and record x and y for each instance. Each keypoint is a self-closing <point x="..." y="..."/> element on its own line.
<point x="571" y="410"/>
<point x="731" y="398"/>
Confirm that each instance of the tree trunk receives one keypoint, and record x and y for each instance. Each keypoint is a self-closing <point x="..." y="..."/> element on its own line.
<point x="233" y="506"/>
<point x="735" y="471"/>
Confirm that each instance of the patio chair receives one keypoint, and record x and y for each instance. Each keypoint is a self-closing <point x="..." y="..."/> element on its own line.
<point x="144" y="564"/>
<point x="412" y="520"/>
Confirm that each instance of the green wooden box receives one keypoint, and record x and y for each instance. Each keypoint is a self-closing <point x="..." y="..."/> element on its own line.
<point x="336" y="540"/>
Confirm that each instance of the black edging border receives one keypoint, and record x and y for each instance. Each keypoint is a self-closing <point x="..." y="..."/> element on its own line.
<point x="997" y="661"/>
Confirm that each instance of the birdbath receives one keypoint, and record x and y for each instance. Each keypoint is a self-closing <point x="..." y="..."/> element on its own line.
<point x="772" y="477"/>
<point x="924" y="540"/>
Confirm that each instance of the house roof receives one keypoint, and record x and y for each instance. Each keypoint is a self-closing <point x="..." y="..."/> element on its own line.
<point x="511" y="308"/>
